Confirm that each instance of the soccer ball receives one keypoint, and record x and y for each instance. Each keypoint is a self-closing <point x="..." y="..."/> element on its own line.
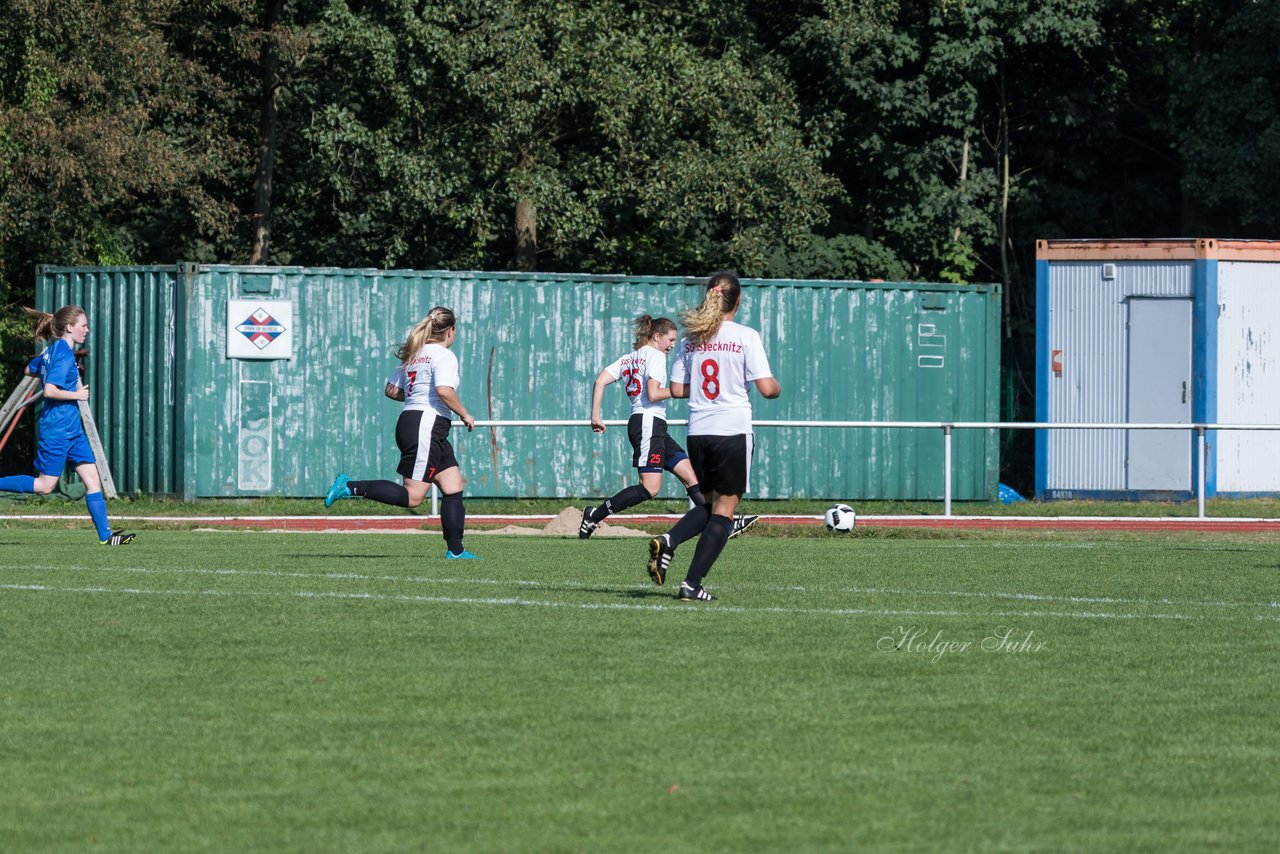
<point x="840" y="518"/>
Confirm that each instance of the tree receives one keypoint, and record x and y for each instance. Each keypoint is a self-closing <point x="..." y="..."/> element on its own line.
<point x="105" y="145"/>
<point x="1224" y="118"/>
<point x="620" y="136"/>
<point x="98" y="114"/>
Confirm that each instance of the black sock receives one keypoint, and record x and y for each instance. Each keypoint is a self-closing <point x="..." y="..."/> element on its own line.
<point x="453" y="518"/>
<point x="710" y="544"/>
<point x="629" y="497"/>
<point x="380" y="490"/>
<point x="695" y="495"/>
<point x="690" y="525"/>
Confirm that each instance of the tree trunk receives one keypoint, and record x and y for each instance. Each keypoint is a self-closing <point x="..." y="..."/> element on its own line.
<point x="964" y="176"/>
<point x="269" y="64"/>
<point x="526" y="226"/>
<point x="1004" y="203"/>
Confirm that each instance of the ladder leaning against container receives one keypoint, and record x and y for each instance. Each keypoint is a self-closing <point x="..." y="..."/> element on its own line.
<point x="27" y="392"/>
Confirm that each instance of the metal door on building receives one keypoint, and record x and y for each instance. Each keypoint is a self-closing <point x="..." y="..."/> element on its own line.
<point x="1159" y="390"/>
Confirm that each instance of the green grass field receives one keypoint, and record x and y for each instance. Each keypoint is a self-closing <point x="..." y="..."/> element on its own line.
<point x="146" y="505"/>
<point x="250" y="691"/>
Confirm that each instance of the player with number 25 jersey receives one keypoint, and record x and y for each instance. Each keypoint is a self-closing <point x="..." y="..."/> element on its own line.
<point x="643" y="376"/>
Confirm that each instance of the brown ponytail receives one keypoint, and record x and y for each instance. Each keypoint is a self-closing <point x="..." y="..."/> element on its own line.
<point x="45" y="326"/>
<point x="647" y="328"/>
<point x="724" y="291"/>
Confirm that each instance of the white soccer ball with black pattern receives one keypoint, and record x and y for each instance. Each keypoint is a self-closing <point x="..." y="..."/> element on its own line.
<point x="840" y="518"/>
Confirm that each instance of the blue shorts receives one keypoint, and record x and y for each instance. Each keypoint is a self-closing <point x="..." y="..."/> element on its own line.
<point x="54" y="452"/>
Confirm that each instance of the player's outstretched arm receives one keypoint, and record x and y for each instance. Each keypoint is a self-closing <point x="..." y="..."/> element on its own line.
<point x="768" y="387"/>
<point x="603" y="379"/>
<point x="449" y="397"/>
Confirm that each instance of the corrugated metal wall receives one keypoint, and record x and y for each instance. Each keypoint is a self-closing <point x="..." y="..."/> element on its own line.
<point x="1087" y="317"/>
<point x="1248" y="375"/>
<point x="529" y="347"/>
<point x="134" y="366"/>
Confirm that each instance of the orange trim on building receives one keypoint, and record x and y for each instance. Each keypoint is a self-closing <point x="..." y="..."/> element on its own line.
<point x="1249" y="250"/>
<point x="1176" y="249"/>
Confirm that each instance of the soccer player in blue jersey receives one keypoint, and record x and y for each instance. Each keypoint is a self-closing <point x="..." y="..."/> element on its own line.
<point x="427" y="381"/>
<point x="61" y="433"/>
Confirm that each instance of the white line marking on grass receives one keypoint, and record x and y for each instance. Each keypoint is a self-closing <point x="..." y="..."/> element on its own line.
<point x="324" y="576"/>
<point x="604" y="606"/>
<point x="1040" y="544"/>
<point x="517" y="582"/>
<point x="1028" y="597"/>
<point x="1154" y="521"/>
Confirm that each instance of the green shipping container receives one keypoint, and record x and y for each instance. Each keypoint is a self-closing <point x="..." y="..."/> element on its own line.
<point x="178" y="415"/>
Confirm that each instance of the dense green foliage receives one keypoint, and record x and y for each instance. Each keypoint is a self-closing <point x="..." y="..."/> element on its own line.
<point x="899" y="139"/>
<point x="283" y="692"/>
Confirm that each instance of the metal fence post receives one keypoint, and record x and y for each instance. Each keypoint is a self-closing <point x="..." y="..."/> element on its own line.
<point x="1200" y="449"/>
<point x="946" y="470"/>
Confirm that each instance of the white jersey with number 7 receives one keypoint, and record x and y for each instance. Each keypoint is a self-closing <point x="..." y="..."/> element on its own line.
<point x="717" y="374"/>
<point x="433" y="365"/>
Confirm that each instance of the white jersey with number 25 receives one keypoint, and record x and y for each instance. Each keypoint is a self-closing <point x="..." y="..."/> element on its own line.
<point x="635" y="370"/>
<point x="431" y="366"/>
<point x="717" y="374"/>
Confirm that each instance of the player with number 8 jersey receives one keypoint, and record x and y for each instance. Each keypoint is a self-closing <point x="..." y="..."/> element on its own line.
<point x="715" y="364"/>
<point x="717" y="373"/>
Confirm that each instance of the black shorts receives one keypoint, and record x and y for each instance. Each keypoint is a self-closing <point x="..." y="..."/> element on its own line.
<point x="423" y="438"/>
<point x="722" y="463"/>
<point x="652" y="450"/>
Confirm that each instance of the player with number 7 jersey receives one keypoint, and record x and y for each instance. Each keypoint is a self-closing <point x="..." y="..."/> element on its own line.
<point x="427" y="381"/>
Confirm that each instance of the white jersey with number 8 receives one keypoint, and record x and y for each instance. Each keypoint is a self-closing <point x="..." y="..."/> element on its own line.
<point x="718" y="373"/>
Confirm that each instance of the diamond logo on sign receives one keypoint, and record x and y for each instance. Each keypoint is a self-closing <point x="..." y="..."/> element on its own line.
<point x="260" y="328"/>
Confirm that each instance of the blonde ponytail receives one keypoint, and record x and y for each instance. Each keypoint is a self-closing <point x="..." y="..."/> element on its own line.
<point x="722" y="296"/>
<point x="430" y="328"/>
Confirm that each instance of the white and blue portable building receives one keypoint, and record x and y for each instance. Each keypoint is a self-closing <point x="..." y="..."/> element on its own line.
<point x="1180" y="331"/>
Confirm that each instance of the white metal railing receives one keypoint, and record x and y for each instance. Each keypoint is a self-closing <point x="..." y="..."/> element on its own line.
<point x="945" y="426"/>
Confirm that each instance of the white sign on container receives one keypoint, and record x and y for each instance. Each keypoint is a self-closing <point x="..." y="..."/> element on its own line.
<point x="259" y="329"/>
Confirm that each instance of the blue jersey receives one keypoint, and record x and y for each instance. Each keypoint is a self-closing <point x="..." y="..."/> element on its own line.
<point x="57" y="366"/>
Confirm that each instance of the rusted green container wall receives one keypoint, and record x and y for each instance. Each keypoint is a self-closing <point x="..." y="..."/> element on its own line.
<point x="529" y="348"/>
<point x="133" y="367"/>
<point x="877" y="352"/>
